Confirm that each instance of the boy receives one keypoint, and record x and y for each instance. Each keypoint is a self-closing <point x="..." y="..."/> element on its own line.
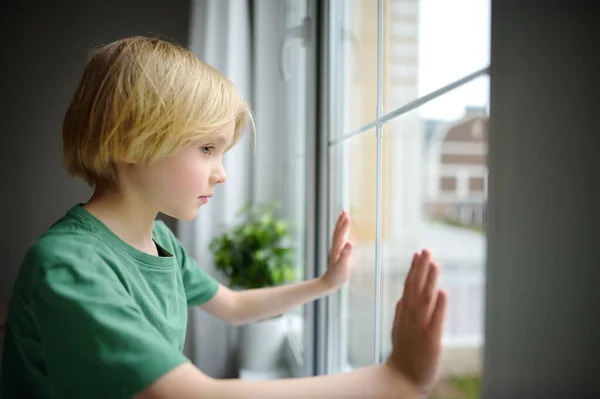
<point x="99" y="307"/>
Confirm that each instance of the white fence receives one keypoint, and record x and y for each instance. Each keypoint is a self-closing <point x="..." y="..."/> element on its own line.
<point x="465" y="285"/>
<point x="462" y="275"/>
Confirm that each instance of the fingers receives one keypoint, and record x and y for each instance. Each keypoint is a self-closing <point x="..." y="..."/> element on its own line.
<point x="339" y="236"/>
<point x="420" y="288"/>
<point x="408" y="283"/>
<point x="428" y="294"/>
<point x="345" y="254"/>
<point x="398" y="311"/>
<point x="416" y="279"/>
<point x="438" y="317"/>
<point x="421" y="272"/>
<point x="338" y="222"/>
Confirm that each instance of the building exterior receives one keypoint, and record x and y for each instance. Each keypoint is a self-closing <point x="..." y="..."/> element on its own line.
<point x="456" y="169"/>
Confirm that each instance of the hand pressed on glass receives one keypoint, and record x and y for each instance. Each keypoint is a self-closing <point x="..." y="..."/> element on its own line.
<point x="418" y="324"/>
<point x="338" y="268"/>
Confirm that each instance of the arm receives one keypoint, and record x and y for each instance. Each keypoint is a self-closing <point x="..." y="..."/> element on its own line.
<point x="408" y="373"/>
<point x="380" y="381"/>
<point x="240" y="307"/>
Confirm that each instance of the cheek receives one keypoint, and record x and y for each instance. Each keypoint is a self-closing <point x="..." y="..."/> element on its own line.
<point x="186" y="176"/>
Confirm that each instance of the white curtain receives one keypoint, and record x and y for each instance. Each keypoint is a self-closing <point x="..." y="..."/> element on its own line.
<point x="244" y="45"/>
<point x="220" y="34"/>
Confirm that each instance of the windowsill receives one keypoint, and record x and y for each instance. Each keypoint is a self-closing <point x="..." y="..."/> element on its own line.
<point x="291" y="354"/>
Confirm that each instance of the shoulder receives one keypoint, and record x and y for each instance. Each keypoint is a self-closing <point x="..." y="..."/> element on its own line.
<point x="65" y="247"/>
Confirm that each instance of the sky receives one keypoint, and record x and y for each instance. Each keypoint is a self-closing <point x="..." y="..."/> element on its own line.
<point x="454" y="42"/>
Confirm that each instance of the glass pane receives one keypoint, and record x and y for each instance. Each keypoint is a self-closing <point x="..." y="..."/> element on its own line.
<point x="295" y="123"/>
<point x="355" y="46"/>
<point x="431" y="43"/>
<point x="434" y="196"/>
<point x="352" y="329"/>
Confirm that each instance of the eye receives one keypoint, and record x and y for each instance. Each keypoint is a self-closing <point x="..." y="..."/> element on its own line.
<point x="207" y="150"/>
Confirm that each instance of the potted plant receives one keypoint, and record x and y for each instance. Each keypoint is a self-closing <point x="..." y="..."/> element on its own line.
<point x="257" y="253"/>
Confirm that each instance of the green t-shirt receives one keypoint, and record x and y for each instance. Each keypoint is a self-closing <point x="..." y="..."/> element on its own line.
<point x="92" y="317"/>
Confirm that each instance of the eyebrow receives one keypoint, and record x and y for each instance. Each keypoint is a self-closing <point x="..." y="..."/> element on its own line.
<point x="219" y="139"/>
<point x="212" y="139"/>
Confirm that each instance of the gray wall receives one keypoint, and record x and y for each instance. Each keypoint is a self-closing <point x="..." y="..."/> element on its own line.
<point x="45" y="45"/>
<point x="543" y="279"/>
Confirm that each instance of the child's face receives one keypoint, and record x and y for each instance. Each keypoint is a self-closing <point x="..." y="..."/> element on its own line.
<point x="179" y="185"/>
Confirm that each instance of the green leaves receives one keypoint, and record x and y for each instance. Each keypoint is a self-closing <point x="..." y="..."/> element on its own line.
<point x="257" y="252"/>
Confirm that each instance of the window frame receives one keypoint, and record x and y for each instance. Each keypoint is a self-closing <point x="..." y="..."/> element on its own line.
<point x="327" y="330"/>
<point x="299" y="352"/>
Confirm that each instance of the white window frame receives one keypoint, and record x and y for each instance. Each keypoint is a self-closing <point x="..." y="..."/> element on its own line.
<point x="299" y="348"/>
<point x="329" y="332"/>
<point x="273" y="73"/>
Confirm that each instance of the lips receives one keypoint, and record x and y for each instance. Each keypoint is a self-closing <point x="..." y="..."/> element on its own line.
<point x="205" y="198"/>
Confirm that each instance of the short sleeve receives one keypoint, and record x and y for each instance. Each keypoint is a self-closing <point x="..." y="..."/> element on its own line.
<point x="96" y="340"/>
<point x="200" y="287"/>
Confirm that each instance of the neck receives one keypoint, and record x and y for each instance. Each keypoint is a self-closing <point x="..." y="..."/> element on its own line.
<point x="125" y="215"/>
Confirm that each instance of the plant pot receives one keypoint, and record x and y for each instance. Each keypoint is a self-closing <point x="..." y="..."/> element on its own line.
<point x="261" y="344"/>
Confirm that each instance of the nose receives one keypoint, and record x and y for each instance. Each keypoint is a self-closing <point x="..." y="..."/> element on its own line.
<point x="219" y="175"/>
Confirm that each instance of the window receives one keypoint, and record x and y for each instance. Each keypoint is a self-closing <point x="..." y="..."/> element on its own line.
<point x="284" y="80"/>
<point x="407" y="120"/>
<point x="297" y="84"/>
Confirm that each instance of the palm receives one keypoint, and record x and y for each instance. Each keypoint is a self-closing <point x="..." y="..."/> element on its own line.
<point x="418" y="324"/>
<point x="338" y="268"/>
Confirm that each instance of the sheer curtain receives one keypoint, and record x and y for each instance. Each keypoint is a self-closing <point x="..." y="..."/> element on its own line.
<point x="242" y="39"/>
<point x="220" y="34"/>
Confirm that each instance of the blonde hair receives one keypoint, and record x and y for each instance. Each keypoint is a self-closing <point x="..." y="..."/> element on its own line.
<point x="143" y="99"/>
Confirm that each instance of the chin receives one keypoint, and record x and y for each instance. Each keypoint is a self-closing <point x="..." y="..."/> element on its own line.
<point x="183" y="215"/>
<point x="188" y="217"/>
